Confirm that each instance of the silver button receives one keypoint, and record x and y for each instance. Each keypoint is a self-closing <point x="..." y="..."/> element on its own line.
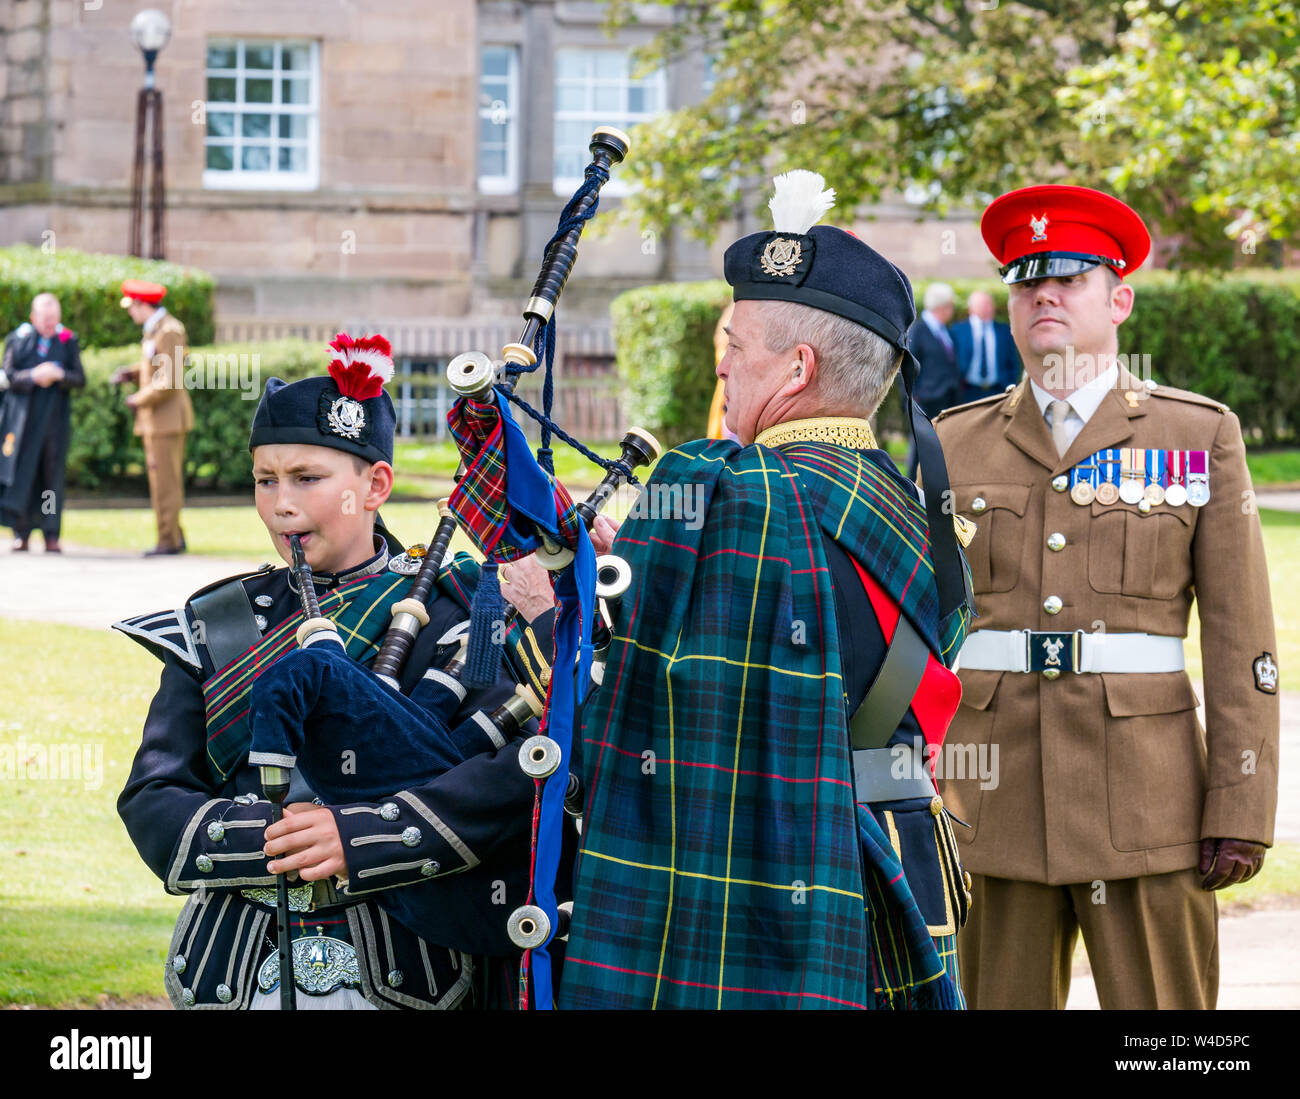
<point x="1051" y="673"/>
<point x="179" y="963"/>
<point x="389" y="811"/>
<point x="429" y="869"/>
<point x="1144" y="506"/>
<point x="216" y="831"/>
<point x="395" y="978"/>
<point x="224" y="994"/>
<point x="187" y="997"/>
<point x="263" y="600"/>
<point x="410" y="836"/>
<point x="260" y="619"/>
<point x="1061" y="483"/>
<point x="979" y="504"/>
<point x="1056" y="542"/>
<point x="245" y="799"/>
<point x="1052" y="604"/>
<point x="204" y="864"/>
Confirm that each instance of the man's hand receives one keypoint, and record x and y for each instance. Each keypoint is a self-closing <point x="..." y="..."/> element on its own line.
<point x="603" y="533"/>
<point x="124" y="374"/>
<point x="527" y="587"/>
<point x="47" y="373"/>
<point x="1229" y="862"/>
<point x="309" y="840"/>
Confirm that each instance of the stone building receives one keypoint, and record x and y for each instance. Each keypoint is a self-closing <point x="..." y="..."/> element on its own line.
<point x="397" y="162"/>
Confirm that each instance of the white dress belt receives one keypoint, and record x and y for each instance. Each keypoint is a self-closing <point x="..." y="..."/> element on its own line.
<point x="1109" y="653"/>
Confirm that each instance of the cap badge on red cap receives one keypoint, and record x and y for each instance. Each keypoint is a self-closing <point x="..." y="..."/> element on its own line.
<point x="781" y="257"/>
<point x="1039" y="226"/>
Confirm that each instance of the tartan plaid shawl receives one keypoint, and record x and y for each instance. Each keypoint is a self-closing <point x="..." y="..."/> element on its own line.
<point x="724" y="862"/>
<point x="361" y="610"/>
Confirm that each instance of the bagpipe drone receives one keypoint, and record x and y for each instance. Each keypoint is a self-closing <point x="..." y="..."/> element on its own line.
<point x="317" y="701"/>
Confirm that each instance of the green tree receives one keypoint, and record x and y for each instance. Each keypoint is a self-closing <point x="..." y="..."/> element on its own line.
<point x="954" y="103"/>
<point x="1203" y="95"/>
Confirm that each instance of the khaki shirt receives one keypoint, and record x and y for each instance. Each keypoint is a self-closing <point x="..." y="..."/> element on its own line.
<point x="1111" y="775"/>
<point x="164" y="406"/>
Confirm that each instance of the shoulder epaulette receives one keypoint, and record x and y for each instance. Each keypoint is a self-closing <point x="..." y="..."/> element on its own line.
<point x="164" y="632"/>
<point x="1186" y="395"/>
<point x="992" y="398"/>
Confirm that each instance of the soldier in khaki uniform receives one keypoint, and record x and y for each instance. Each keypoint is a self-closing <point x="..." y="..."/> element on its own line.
<point x="163" y="413"/>
<point x="1104" y="506"/>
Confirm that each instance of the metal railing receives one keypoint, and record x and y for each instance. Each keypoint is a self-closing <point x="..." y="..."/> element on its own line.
<point x="587" y="390"/>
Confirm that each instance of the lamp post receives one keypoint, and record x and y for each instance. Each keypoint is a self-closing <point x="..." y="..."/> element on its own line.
<point x="150" y="31"/>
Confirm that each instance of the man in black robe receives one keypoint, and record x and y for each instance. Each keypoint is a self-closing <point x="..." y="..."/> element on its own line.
<point x="42" y="365"/>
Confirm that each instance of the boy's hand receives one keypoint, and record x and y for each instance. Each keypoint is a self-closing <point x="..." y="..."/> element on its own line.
<point x="309" y="840"/>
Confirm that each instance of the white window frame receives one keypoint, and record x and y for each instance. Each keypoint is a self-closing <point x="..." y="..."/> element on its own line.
<point x="239" y="179"/>
<point x="506" y="184"/>
<point x="565" y="185"/>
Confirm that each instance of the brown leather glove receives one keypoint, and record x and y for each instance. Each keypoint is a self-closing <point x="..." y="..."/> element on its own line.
<point x="1229" y="862"/>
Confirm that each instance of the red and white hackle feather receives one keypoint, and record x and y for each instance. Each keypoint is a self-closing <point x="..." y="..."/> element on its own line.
<point x="361" y="367"/>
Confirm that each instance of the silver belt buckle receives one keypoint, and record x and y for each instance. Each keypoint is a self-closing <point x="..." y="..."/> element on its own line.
<point x="300" y="897"/>
<point x="320" y="965"/>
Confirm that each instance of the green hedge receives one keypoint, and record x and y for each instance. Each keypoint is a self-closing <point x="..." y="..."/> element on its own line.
<point x="664" y="337"/>
<point x="102" y="446"/>
<point x="1234" y="338"/>
<point x="89" y="288"/>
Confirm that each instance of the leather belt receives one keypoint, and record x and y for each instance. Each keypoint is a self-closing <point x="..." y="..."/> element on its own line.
<point x="1071" y="651"/>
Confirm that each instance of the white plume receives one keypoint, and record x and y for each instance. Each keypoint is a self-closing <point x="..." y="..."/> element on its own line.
<point x="799" y="200"/>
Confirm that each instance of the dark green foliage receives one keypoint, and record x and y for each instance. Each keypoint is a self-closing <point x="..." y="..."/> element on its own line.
<point x="218" y="379"/>
<point x="88" y="286"/>
<point x="664" y="336"/>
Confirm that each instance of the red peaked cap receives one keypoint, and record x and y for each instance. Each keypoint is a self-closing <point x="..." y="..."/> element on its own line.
<point x="151" y="292"/>
<point x="361" y="367"/>
<point x="1065" y="220"/>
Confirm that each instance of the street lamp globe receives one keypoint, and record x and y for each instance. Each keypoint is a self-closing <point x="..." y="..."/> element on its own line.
<point x="150" y="31"/>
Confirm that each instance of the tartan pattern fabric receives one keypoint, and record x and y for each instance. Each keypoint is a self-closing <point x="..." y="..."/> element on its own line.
<point x="723" y="855"/>
<point x="479" y="499"/>
<point x="361" y="610"/>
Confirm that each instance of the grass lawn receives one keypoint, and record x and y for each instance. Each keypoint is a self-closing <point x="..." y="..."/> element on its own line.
<point x="1274" y="467"/>
<point x="80" y="914"/>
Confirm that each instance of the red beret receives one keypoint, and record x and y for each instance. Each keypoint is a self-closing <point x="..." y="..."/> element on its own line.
<point x="140" y="290"/>
<point x="1052" y="230"/>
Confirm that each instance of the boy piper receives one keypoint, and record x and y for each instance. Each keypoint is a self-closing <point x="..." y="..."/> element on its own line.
<point x="322" y="455"/>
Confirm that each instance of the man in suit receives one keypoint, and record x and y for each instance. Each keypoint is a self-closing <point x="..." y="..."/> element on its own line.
<point x="986" y="353"/>
<point x="938" y="381"/>
<point x="1104" y="505"/>
<point x="163" y="413"/>
<point x="42" y="365"/>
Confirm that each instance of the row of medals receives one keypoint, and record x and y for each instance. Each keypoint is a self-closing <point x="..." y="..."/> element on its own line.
<point x="1133" y="490"/>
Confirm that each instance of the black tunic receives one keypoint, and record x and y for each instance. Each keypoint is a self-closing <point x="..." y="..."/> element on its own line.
<point x="32" y="461"/>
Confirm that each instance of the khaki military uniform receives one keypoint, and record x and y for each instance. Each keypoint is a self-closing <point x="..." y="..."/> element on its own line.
<point x="163" y="417"/>
<point x="1105" y="783"/>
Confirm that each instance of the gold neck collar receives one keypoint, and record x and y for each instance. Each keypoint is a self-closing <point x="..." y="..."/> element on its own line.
<point x="845" y="431"/>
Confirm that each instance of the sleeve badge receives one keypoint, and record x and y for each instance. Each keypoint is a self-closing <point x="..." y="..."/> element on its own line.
<point x="1266" y="673"/>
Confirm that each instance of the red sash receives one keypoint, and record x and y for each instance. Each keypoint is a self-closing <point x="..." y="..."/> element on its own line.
<point x="939" y="693"/>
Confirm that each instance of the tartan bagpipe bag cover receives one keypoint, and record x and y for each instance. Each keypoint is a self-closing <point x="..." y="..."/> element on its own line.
<point x="724" y="862"/>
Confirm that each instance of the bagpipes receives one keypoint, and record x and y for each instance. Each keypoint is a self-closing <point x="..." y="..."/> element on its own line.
<point x="317" y="702"/>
